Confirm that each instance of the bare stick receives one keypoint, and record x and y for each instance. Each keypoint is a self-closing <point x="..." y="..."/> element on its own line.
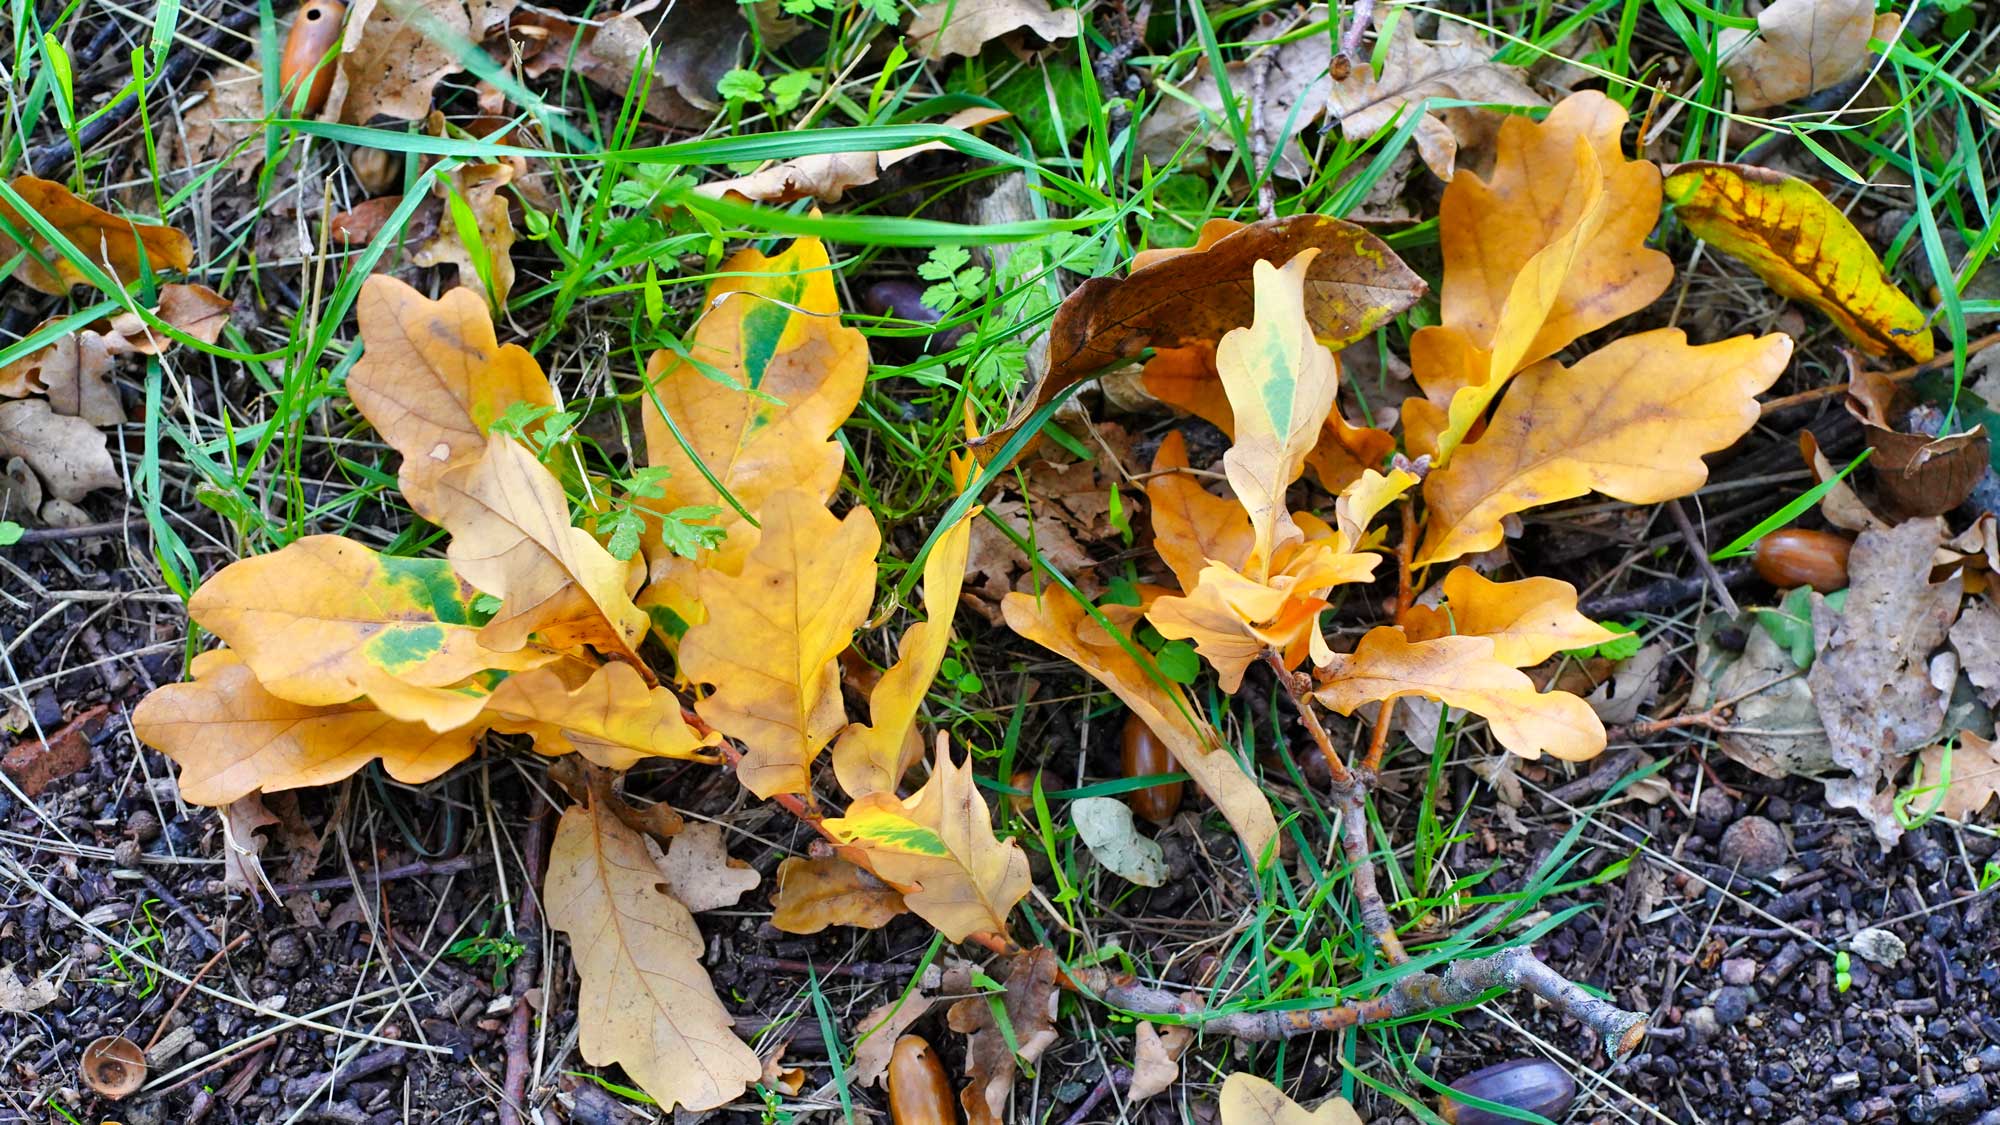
<point x="1716" y="582"/>
<point x="1352" y="801"/>
<point x="514" y="1087"/>
<point x="1935" y="363"/>
<point x="1462" y="982"/>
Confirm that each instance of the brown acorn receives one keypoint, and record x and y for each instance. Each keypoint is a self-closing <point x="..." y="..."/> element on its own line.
<point x="919" y="1092"/>
<point x="1143" y="754"/>
<point x="314" y="36"/>
<point x="1794" y="557"/>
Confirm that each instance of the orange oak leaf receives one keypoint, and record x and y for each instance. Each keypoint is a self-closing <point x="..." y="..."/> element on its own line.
<point x="433" y="377"/>
<point x="1462" y="672"/>
<point x="872" y="757"/>
<point x="1192" y="525"/>
<point x="773" y="635"/>
<point x="937" y="846"/>
<point x="611" y="715"/>
<point x="1631" y="420"/>
<point x="1551" y="247"/>
<point x="1803" y="247"/>
<point x="816" y="893"/>
<point x="232" y="738"/>
<point x="512" y="538"/>
<point x="118" y="245"/>
<point x="1059" y="623"/>
<point x="768" y="377"/>
<point x="1529" y="620"/>
<point x="645" y="1003"/>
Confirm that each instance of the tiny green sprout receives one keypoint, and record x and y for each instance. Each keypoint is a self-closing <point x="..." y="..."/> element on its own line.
<point x="1842" y="979"/>
<point x="1624" y="646"/>
<point x="1989" y="876"/>
<point x="741" y="86"/>
<point x="10" y="533"/>
<point x="1121" y="520"/>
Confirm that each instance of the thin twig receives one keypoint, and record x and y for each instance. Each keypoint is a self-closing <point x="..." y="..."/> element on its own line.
<point x="1716" y="583"/>
<point x="1937" y="362"/>
<point x="1354" y="26"/>
<point x="451" y="866"/>
<point x="214" y="959"/>
<point x="514" y="1087"/>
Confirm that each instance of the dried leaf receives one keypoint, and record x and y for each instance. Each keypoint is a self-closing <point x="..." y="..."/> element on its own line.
<point x="1294" y="87"/>
<point x="963" y="27"/>
<point x="816" y="893"/>
<point x="990" y="1055"/>
<point x="1976" y="639"/>
<point x="230" y="113"/>
<point x="1631" y="420"/>
<point x="478" y="185"/>
<point x="827" y="177"/>
<point x="700" y="872"/>
<point x="1058" y="623"/>
<point x="698" y="42"/>
<point x="394" y="54"/>
<point x="1249" y="1100"/>
<point x="1799" y="47"/>
<point x="1355" y="285"/>
<point x="790" y="374"/>
<point x="433" y="378"/>
<point x="68" y="454"/>
<point x="74" y="371"/>
<point x="1156" y="1058"/>
<point x="876" y="1033"/>
<point x="1104" y="824"/>
<point x="1803" y="247"/>
<point x="113" y="243"/>
<point x="611" y="716"/>
<point x="1457" y="65"/>
<point x="325" y="620"/>
<point x="774" y="633"/>
<point x="1463" y="672"/>
<point x="645" y="1002"/>
<point x="512" y="538"/>
<point x="18" y="996"/>
<point x="243" y="847"/>
<point x="1529" y="620"/>
<point x="938" y="847"/>
<point x="232" y="738"/>
<point x="34" y="763"/>
<point x="1975" y="778"/>
<point x="873" y="757"/>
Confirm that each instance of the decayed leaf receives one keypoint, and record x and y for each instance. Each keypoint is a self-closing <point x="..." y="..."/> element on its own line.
<point x="433" y="378"/>
<point x="1918" y="470"/>
<point x="325" y="620"/>
<point x="242" y="846"/>
<point x="774" y="632"/>
<point x="873" y="757"/>
<point x="68" y="454"/>
<point x="991" y="1054"/>
<point x="1631" y="420"/>
<point x="1249" y="1100"/>
<point x="512" y="538"/>
<point x="1056" y="622"/>
<point x="113" y="243"/>
<point x="1551" y="247"/>
<point x="232" y="738"/>
<point x="1104" y="824"/>
<point x="228" y="114"/>
<point x="699" y="42"/>
<point x="827" y="177"/>
<point x="1156" y="1056"/>
<point x="395" y="52"/>
<point x="1799" y="47"/>
<point x="1976" y="639"/>
<point x="1975" y="777"/>
<point x="816" y="893"/>
<point x="1463" y="672"/>
<point x="1294" y="86"/>
<point x="1529" y="620"/>
<point x="700" y="872"/>
<point x="645" y="1003"/>
<point x="1457" y="65"/>
<point x="876" y="1033"/>
<point x="611" y="716"/>
<point x="1873" y="680"/>
<point x="962" y="27"/>
<point x="772" y="326"/>
<point x="18" y="996"/>
<point x="1355" y="285"/>
<point x="74" y="371"/>
<point x="478" y="185"/>
<point x="1803" y="247"/>
<point x="938" y="847"/>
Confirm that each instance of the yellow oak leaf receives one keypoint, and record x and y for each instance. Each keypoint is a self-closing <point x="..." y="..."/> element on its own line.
<point x="1631" y="420"/>
<point x="1059" y="623"/>
<point x="1550" y="248"/>
<point x="1803" y="247"/>
<point x="1233" y="619"/>
<point x="773" y="634"/>
<point x="938" y="848"/>
<point x="872" y="757"/>
<point x="1281" y="383"/>
<point x="511" y="537"/>
<point x="1462" y="672"/>
<point x="325" y="620"/>
<point x="611" y="716"/>
<point x="232" y="738"/>
<point x="1529" y="620"/>
<point x="1975" y="777"/>
<point x="115" y="244"/>
<point x="1249" y="1100"/>
<point x="1192" y="525"/>
<point x="645" y="1002"/>
<point x="769" y="376"/>
<point x="433" y="377"/>
<point x="816" y="893"/>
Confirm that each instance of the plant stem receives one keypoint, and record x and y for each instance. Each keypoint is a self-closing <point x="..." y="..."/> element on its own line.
<point x="1301" y="696"/>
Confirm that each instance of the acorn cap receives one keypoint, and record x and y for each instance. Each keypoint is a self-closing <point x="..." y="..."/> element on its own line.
<point x="114" y="1066"/>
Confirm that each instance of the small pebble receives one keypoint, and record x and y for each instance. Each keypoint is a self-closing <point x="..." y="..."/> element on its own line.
<point x="1702" y="1023"/>
<point x="1754" y="846"/>
<point x="286" y="951"/>
<point x="1739" y="970"/>
<point x="1732" y="1004"/>
<point x="1877" y="945"/>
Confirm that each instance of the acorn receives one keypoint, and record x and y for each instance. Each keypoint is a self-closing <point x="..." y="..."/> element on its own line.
<point x="1143" y="755"/>
<point x="919" y="1092"/>
<point x="1536" y="1085"/>
<point x="314" y="36"/>
<point x="1793" y="557"/>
